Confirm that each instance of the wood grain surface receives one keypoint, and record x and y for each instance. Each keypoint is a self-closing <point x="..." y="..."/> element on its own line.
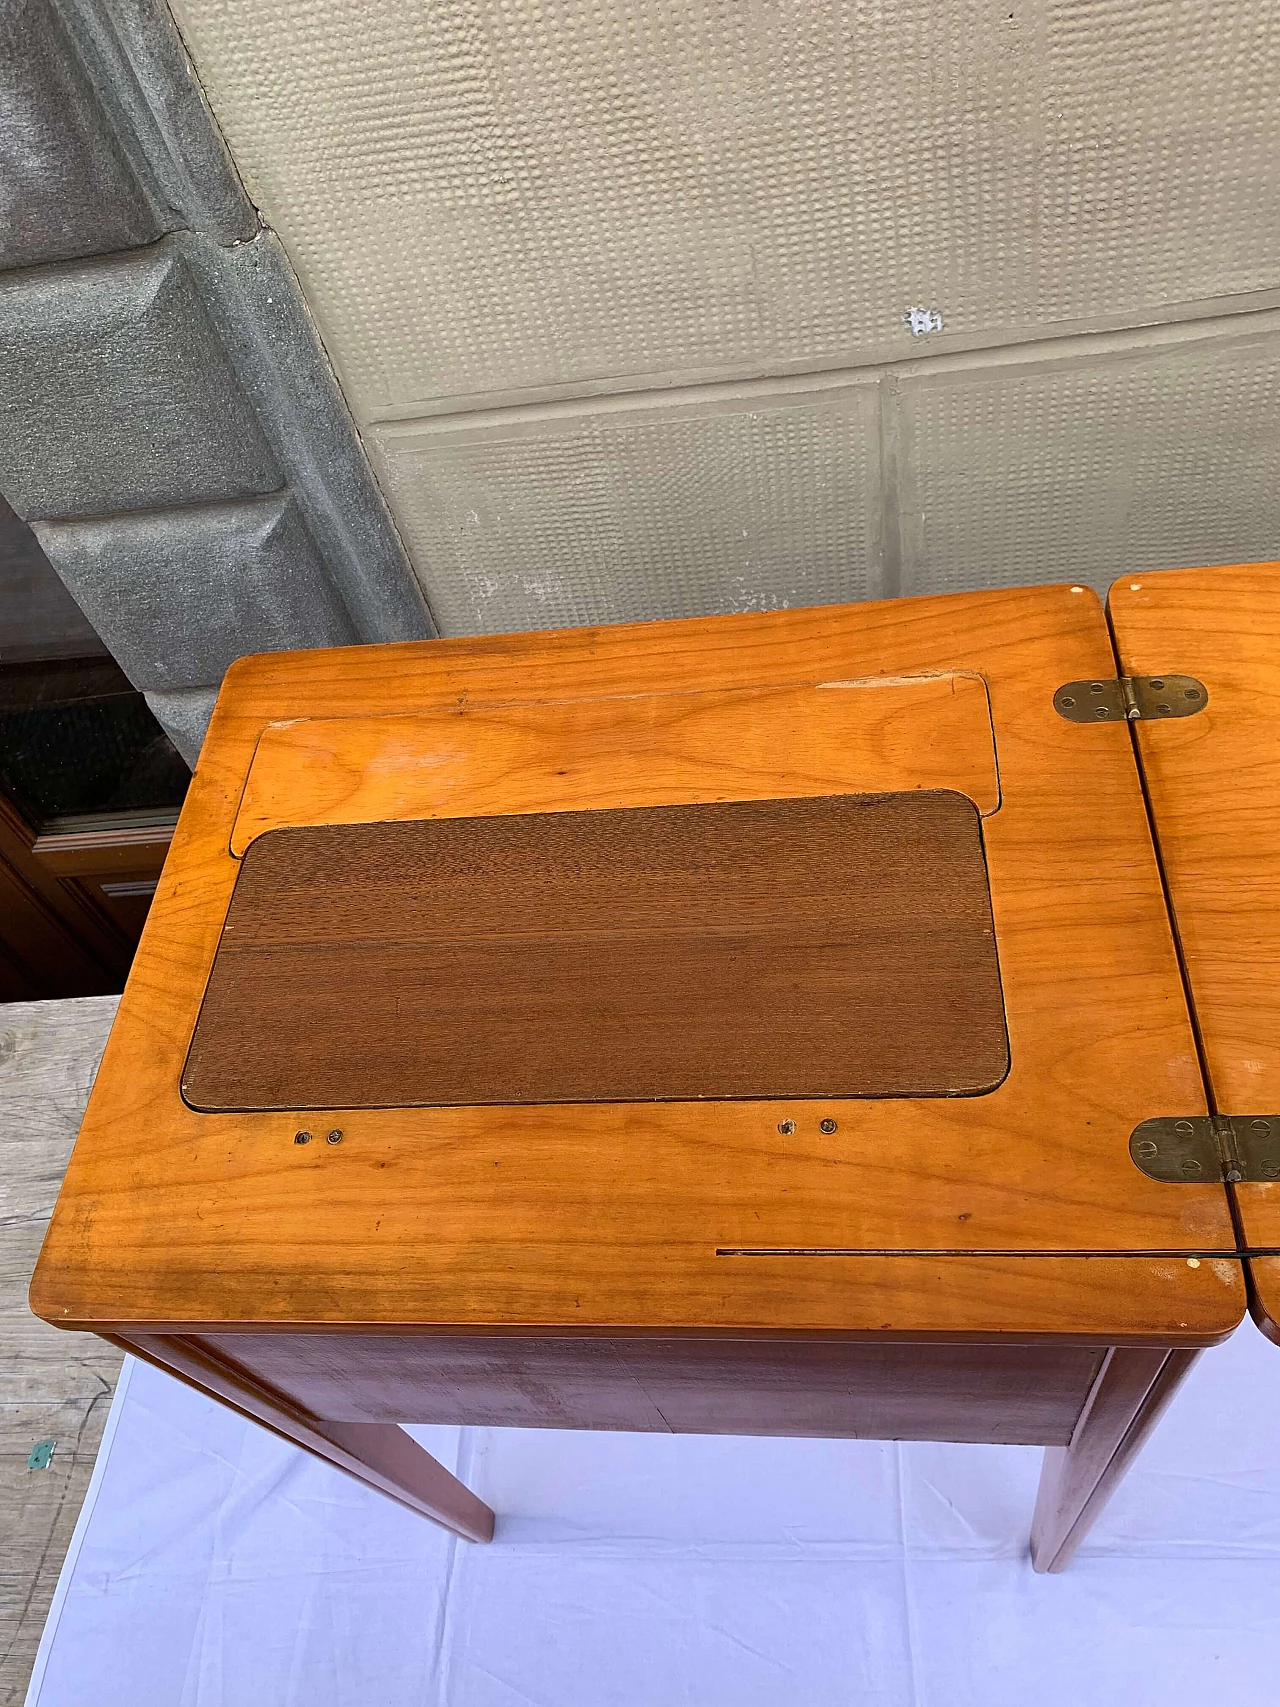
<point x="381" y="1455"/>
<point x="996" y="1393"/>
<point x="1016" y="1213"/>
<point x="679" y="745"/>
<point x="1264" y="1295"/>
<point x="831" y="947"/>
<point x="1214" y="785"/>
<point x="1132" y="1391"/>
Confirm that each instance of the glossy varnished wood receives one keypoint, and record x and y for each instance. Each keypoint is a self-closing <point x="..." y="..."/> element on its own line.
<point x="1264" y="1294"/>
<point x="1214" y="785"/>
<point x="840" y="946"/>
<point x="659" y="743"/>
<point x="618" y="1216"/>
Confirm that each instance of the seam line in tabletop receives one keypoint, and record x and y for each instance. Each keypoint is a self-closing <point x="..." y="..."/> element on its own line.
<point x="1202" y="1251"/>
<point x="1188" y="994"/>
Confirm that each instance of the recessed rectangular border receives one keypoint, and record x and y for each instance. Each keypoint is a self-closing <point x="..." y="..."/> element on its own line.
<point x="772" y="739"/>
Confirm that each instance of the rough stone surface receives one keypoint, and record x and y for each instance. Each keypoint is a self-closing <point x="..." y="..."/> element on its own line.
<point x="184" y="717"/>
<point x="67" y="187"/>
<point x="144" y="386"/>
<point x="116" y="392"/>
<point x="252" y="297"/>
<point x="150" y="92"/>
<point x="105" y="139"/>
<point x="168" y="416"/>
<point x="179" y="594"/>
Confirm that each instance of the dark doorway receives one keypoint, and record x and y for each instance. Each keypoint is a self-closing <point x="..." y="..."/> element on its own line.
<point x="90" y="789"/>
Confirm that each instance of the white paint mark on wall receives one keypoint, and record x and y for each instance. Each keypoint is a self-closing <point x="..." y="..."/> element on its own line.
<point x="543" y="588"/>
<point x="741" y="597"/>
<point x="922" y="320"/>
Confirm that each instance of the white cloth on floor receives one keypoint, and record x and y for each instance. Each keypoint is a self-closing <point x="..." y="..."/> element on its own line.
<point x="215" y="1566"/>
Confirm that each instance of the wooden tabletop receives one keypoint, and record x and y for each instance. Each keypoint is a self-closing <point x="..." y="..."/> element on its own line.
<point x="1214" y="785"/>
<point x="1015" y="1211"/>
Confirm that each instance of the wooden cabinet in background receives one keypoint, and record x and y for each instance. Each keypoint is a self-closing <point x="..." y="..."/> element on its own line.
<point x="72" y="905"/>
<point x="116" y="869"/>
<point x="89" y="795"/>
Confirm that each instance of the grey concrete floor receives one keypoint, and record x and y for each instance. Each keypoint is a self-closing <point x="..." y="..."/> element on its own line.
<point x="54" y="1386"/>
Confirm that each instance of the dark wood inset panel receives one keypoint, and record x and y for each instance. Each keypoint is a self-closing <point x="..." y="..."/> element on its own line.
<point x="840" y="946"/>
<point x="1008" y="1394"/>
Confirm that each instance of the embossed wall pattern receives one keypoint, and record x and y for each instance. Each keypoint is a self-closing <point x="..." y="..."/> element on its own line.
<point x="649" y="310"/>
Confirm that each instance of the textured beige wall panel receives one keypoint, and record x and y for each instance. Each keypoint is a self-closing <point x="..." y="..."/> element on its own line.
<point x="565" y="255"/>
<point x="555" y="517"/>
<point x="490" y="197"/>
<point x="1100" y="462"/>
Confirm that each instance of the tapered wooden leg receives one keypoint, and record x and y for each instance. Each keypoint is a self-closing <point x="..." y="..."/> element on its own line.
<point x="1125" y="1402"/>
<point x="378" y="1454"/>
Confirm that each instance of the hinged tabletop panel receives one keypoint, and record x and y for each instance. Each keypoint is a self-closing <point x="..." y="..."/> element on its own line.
<point x="1213" y="781"/>
<point x="804" y="972"/>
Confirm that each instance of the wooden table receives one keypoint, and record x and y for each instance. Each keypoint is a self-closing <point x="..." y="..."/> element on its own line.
<point x="733" y="1025"/>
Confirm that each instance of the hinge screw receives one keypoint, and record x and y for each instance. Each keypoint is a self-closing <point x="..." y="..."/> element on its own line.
<point x="302" y="1137"/>
<point x="828" y="1126"/>
<point x="334" y="1137"/>
<point x="786" y="1127"/>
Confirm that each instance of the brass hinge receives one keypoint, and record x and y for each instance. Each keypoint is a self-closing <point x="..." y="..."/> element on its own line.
<point x="1209" y="1148"/>
<point x="1130" y="697"/>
